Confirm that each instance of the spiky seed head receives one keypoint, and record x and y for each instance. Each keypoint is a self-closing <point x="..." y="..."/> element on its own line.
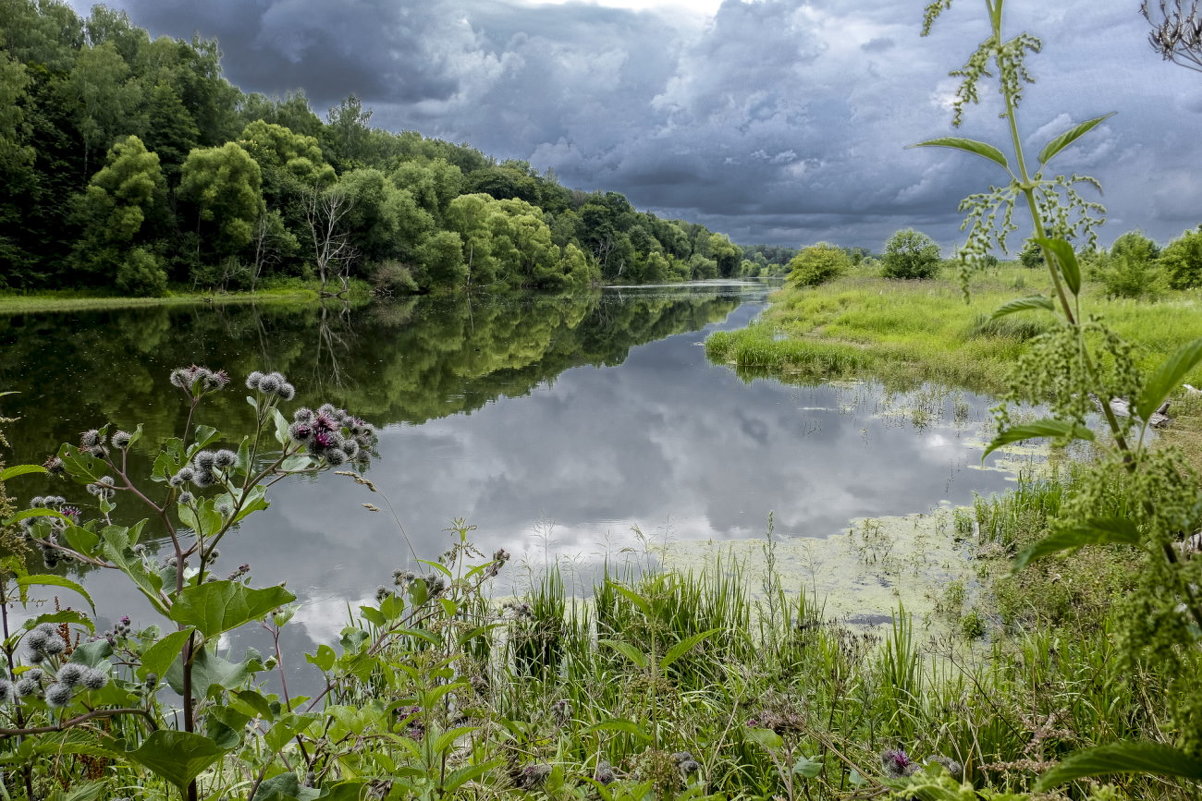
<point x="58" y="695"/>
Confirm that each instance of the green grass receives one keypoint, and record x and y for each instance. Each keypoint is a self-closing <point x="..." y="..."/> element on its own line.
<point x="907" y="332"/>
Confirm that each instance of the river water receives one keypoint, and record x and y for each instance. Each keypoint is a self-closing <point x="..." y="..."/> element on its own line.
<point x="570" y="432"/>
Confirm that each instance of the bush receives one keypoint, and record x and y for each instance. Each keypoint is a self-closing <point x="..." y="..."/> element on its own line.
<point x="393" y="278"/>
<point x="1182" y="260"/>
<point x="818" y="264"/>
<point x="141" y="274"/>
<point x="1128" y="276"/>
<point x="910" y="254"/>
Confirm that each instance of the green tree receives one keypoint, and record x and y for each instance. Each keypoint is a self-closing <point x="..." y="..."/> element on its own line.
<point x="223" y="184"/>
<point x="1135" y="245"/>
<point x="120" y="199"/>
<point x="1182" y="260"/>
<point x="818" y="264"/>
<point x="17" y="175"/>
<point x="910" y="254"/>
<point x="104" y="102"/>
<point x="726" y="253"/>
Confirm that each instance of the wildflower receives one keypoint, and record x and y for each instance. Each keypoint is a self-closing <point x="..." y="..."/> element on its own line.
<point x="183" y="476"/>
<point x="286" y="391"/>
<point x="270" y="384"/>
<point x="58" y="695"/>
<point x="70" y="674"/>
<point x="604" y="774"/>
<point x="204" y="460"/>
<point x="27" y="686"/>
<point x="303" y="415"/>
<point x="532" y="776"/>
<point x="241" y="571"/>
<point x="7" y="691"/>
<point x="121" y="440"/>
<point x="252" y="380"/>
<point x="300" y="432"/>
<point x="54" y="465"/>
<point x="562" y="710"/>
<point x="225" y="458"/>
<point x="954" y="768"/>
<point x="351" y="448"/>
<point x="335" y="456"/>
<point x="90" y="439"/>
<point x="897" y="764"/>
<point x="186" y="498"/>
<point x="38" y="637"/>
<point x="689" y="766"/>
<point x="94" y="679"/>
<point x="203" y="478"/>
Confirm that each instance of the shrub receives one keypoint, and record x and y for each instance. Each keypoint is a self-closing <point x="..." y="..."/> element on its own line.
<point x="910" y="254"/>
<point x="141" y="274"/>
<point x="393" y="278"/>
<point x="818" y="264"/>
<point x="1127" y="276"/>
<point x="1182" y="260"/>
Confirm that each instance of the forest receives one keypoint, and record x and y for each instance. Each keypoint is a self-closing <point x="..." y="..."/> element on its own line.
<point x="131" y="165"/>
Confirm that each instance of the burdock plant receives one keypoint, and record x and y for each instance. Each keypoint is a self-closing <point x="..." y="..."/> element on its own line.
<point x="196" y="495"/>
<point x="1081" y="369"/>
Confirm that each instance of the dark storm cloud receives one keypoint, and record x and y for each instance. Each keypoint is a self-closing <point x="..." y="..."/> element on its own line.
<point x="775" y="120"/>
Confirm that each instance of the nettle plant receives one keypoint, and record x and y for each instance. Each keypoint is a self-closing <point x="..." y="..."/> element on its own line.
<point x="71" y="691"/>
<point x="1132" y="494"/>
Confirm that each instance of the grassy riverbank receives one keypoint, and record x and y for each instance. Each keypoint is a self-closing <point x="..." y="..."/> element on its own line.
<point x="906" y="332"/>
<point x="80" y="300"/>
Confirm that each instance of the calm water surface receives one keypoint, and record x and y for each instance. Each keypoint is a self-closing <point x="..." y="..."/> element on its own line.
<point x="570" y="430"/>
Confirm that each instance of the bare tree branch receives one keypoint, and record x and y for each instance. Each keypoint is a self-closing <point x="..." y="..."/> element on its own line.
<point x="1176" y="31"/>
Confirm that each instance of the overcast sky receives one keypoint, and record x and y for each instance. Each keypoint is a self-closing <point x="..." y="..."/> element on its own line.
<point x="777" y="121"/>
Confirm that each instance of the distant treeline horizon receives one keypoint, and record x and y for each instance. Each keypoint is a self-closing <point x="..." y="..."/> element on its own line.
<point x="129" y="163"/>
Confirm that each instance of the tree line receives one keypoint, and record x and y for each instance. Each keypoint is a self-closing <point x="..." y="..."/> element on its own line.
<point x="131" y="164"/>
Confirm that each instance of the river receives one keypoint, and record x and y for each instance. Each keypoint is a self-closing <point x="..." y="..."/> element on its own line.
<point x="572" y="432"/>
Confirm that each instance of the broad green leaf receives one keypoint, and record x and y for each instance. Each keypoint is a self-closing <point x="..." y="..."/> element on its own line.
<point x="43" y="580"/>
<point x="286" y="728"/>
<point x="208" y="671"/>
<point x="20" y="470"/>
<point x="92" y="653"/>
<point x="1040" y="428"/>
<point x="177" y="756"/>
<point x="169" y="460"/>
<point x="468" y="773"/>
<point x="284" y="787"/>
<point x="765" y="737"/>
<point x="40" y="512"/>
<point x="684" y="646"/>
<point x="324" y="658"/>
<point x="251" y="702"/>
<point x="202" y="437"/>
<point x="982" y="149"/>
<point x="281" y="428"/>
<point x="225" y="726"/>
<point x="1064" y="255"/>
<point x="255" y="500"/>
<point x="1068" y="137"/>
<point x="220" y="606"/>
<point x="351" y="790"/>
<point x="65" y="616"/>
<point x="81" y="540"/>
<point x="619" y="725"/>
<point x="1023" y="304"/>
<point x="1135" y="757"/>
<point x="809" y="768"/>
<point x="204" y="519"/>
<point x="81" y="467"/>
<point x="1168" y="377"/>
<point x="639" y="601"/>
<point x="627" y="650"/>
<point x="1097" y="531"/>
<point x="447" y="739"/>
<point x="157" y="659"/>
